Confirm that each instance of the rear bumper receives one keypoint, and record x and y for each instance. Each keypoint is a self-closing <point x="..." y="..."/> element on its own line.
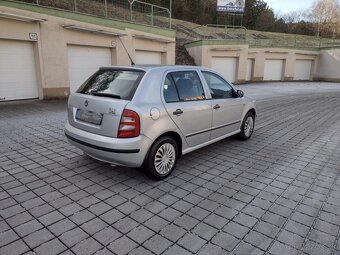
<point x="129" y="152"/>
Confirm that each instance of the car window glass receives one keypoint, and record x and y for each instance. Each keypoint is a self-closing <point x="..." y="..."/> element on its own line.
<point x="188" y="85"/>
<point x="120" y="83"/>
<point x="169" y="90"/>
<point x="218" y="87"/>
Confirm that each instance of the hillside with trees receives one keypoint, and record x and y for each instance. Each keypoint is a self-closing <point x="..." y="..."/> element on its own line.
<point x="322" y="19"/>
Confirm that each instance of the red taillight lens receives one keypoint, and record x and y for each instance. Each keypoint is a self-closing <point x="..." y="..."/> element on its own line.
<point x="129" y="125"/>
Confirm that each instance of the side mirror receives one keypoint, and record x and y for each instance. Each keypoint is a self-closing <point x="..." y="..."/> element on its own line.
<point x="240" y="93"/>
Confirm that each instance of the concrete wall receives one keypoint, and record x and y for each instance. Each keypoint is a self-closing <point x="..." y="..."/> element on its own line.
<point x="50" y="46"/>
<point x="204" y="51"/>
<point x="329" y="65"/>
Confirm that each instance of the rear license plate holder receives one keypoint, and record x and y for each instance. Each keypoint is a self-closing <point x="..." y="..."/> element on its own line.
<point x="89" y="117"/>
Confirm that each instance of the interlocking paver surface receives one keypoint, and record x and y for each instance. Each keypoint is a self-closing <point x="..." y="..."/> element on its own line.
<point x="278" y="193"/>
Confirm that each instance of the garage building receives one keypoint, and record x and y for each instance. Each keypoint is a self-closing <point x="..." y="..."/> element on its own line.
<point x="49" y="53"/>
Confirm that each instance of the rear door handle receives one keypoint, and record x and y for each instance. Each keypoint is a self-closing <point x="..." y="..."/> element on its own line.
<point x="178" y="112"/>
<point x="216" y="107"/>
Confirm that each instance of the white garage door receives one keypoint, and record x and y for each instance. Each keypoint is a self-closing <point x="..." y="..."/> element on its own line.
<point x="83" y="61"/>
<point x="302" y="70"/>
<point x="226" y="67"/>
<point x="250" y="68"/>
<point x="273" y="70"/>
<point x="148" y="58"/>
<point x="18" y="78"/>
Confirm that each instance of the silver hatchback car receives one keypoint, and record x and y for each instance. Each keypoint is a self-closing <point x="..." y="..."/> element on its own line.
<point x="148" y="116"/>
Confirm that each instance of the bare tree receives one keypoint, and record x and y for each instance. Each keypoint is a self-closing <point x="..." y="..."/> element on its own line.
<point x="325" y="13"/>
<point x="292" y="19"/>
<point x="294" y="16"/>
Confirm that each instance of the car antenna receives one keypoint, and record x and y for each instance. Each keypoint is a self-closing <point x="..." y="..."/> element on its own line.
<point x="132" y="63"/>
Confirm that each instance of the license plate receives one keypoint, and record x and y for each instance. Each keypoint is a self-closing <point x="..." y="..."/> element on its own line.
<point x="89" y="117"/>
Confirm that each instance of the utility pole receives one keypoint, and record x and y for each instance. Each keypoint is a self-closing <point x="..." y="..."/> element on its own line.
<point x="170" y="12"/>
<point x="170" y="6"/>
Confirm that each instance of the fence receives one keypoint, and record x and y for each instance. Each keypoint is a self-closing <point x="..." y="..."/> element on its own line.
<point x="291" y="41"/>
<point x="128" y="10"/>
<point x="239" y="34"/>
<point x="222" y="32"/>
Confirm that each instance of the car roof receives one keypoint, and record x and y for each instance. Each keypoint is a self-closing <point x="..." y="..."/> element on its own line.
<point x="155" y="67"/>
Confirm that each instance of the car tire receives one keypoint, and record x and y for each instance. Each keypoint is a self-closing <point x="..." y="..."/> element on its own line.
<point x="162" y="158"/>
<point x="247" y="127"/>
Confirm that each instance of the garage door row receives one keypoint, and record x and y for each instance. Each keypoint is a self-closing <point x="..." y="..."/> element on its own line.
<point x="19" y="79"/>
<point x="18" y="72"/>
<point x="273" y="68"/>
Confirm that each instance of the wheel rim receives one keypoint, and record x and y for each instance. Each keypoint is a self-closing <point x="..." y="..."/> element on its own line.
<point x="249" y="126"/>
<point x="165" y="158"/>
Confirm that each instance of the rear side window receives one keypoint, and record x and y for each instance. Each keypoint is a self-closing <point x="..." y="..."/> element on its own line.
<point x="170" y="90"/>
<point x="183" y="86"/>
<point x="120" y="84"/>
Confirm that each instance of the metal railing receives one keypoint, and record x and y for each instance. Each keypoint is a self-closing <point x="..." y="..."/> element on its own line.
<point x="239" y="34"/>
<point x="126" y="10"/>
<point x="291" y="41"/>
<point x="212" y="31"/>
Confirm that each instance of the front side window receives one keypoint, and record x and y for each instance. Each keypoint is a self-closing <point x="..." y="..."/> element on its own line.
<point x="120" y="84"/>
<point x="218" y="87"/>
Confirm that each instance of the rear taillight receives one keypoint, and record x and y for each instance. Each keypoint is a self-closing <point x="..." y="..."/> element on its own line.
<point x="129" y="125"/>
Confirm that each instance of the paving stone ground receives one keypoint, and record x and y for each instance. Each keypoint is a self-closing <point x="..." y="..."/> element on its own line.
<point x="278" y="193"/>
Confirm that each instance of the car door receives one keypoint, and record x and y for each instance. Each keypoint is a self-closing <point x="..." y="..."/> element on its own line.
<point x="186" y="104"/>
<point x="227" y="106"/>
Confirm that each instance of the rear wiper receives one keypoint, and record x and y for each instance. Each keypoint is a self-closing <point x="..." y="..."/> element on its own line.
<point x="105" y="95"/>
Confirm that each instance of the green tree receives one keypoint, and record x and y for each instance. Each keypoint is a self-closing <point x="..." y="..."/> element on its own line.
<point x="258" y="15"/>
<point x="196" y="10"/>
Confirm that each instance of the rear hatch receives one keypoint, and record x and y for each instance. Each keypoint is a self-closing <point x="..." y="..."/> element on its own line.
<point x="99" y="103"/>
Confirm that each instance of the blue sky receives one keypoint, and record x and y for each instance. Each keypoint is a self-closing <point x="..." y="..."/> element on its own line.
<point x="286" y="6"/>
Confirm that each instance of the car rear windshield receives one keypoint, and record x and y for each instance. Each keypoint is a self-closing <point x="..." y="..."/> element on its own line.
<point x="119" y="84"/>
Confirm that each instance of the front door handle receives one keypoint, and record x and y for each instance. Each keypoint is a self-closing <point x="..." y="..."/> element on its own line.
<point x="178" y="112"/>
<point x="216" y="107"/>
